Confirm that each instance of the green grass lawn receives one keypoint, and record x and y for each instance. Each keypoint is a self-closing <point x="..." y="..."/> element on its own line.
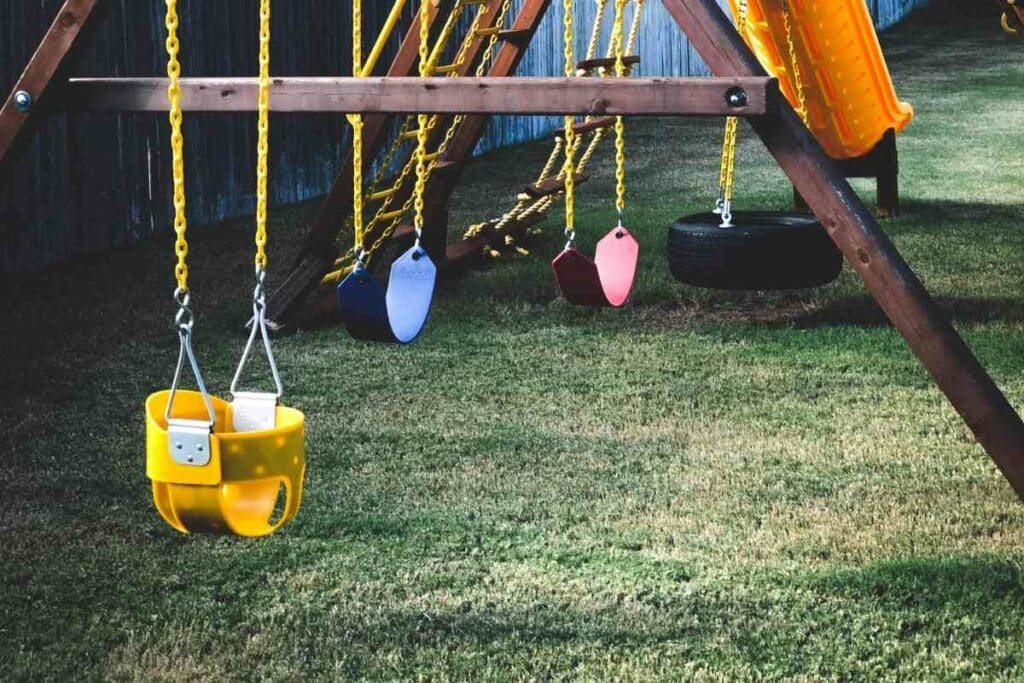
<point x="701" y="486"/>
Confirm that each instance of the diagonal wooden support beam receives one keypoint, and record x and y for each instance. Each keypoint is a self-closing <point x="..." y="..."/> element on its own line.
<point x="890" y="280"/>
<point x="46" y="61"/>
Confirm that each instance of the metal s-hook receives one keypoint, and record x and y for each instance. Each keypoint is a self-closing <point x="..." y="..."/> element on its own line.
<point x="254" y="411"/>
<point x="185" y="320"/>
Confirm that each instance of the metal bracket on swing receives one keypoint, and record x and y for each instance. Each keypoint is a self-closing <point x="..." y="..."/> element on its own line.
<point x="254" y="411"/>
<point x="188" y="440"/>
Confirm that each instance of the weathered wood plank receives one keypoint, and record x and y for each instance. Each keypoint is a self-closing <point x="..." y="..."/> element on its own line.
<point x="627" y="97"/>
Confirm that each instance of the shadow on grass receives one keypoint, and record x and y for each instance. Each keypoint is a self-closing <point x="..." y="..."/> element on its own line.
<point x="862" y="311"/>
<point x="922" y="215"/>
<point x="963" y="585"/>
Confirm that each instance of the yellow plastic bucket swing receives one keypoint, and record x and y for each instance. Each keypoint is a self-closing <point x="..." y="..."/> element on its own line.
<point x="219" y="467"/>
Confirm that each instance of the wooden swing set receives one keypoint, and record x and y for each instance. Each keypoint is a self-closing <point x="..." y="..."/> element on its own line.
<point x="739" y="87"/>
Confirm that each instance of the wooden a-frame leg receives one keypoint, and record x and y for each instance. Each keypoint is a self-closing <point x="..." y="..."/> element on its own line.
<point x="890" y="280"/>
<point x="36" y="77"/>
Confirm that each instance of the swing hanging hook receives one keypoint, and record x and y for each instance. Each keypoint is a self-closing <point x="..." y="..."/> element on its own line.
<point x="259" y="327"/>
<point x="570" y="238"/>
<point x="185" y="321"/>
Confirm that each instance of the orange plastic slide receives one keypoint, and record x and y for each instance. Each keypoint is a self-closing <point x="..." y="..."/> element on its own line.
<point x="851" y="100"/>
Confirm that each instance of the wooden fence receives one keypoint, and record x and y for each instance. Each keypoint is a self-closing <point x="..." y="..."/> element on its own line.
<point x="120" y="191"/>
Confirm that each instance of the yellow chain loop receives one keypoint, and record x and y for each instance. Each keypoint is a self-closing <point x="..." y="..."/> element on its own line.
<point x="263" y="137"/>
<point x="618" y="36"/>
<point x="356" y="120"/>
<point x="177" y="146"/>
<point x="570" y="121"/>
<point x="798" y="81"/>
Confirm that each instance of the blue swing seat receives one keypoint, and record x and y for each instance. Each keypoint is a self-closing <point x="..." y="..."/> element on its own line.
<point x="396" y="314"/>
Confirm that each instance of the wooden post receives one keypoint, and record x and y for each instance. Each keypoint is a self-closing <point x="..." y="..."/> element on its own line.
<point x="36" y="77"/>
<point x="890" y="280"/>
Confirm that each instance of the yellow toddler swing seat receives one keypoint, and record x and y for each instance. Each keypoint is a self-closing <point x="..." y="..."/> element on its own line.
<point x="219" y="467"/>
<point x="236" y="491"/>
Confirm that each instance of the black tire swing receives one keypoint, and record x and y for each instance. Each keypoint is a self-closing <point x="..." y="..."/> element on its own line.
<point x="751" y="250"/>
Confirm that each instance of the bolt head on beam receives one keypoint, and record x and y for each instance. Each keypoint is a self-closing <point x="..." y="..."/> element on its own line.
<point x="23" y="101"/>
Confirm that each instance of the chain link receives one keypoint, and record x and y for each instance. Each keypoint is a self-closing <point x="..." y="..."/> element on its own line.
<point x="263" y="138"/>
<point x="423" y="120"/>
<point x="570" y="121"/>
<point x="356" y="120"/>
<point x="727" y="173"/>
<point x="620" y="128"/>
<point x="177" y="146"/>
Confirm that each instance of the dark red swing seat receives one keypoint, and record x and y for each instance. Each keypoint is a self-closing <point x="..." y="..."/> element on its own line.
<point x="605" y="280"/>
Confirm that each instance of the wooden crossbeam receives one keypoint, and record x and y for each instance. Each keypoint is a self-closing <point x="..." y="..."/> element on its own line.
<point x="45" y="63"/>
<point x="895" y="287"/>
<point x="750" y="96"/>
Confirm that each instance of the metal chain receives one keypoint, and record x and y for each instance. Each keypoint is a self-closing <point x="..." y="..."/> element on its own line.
<point x="357" y="131"/>
<point x="570" y="133"/>
<point x="423" y="121"/>
<point x="727" y="173"/>
<point x="263" y="138"/>
<point x="620" y="128"/>
<point x="177" y="146"/>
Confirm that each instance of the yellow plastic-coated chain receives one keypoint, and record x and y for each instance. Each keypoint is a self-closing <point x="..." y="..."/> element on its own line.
<point x="798" y="81"/>
<point x="177" y="146"/>
<point x="357" y="127"/>
<point x="570" y="121"/>
<point x="620" y="128"/>
<point x="727" y="174"/>
<point x="424" y="121"/>
<point x="263" y="137"/>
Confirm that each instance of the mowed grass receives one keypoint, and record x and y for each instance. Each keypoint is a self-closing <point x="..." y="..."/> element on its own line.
<point x="701" y="486"/>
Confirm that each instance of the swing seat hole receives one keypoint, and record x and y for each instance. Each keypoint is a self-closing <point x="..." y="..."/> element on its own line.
<point x="620" y="234"/>
<point x="417" y="255"/>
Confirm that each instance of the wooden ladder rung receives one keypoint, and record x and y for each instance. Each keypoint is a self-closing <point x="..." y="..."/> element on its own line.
<point x="488" y="32"/>
<point x="517" y="36"/>
<point x="588" y="66"/>
<point x="445" y="166"/>
<point x="551" y="186"/>
<point x="594" y="123"/>
<point x="446" y="69"/>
